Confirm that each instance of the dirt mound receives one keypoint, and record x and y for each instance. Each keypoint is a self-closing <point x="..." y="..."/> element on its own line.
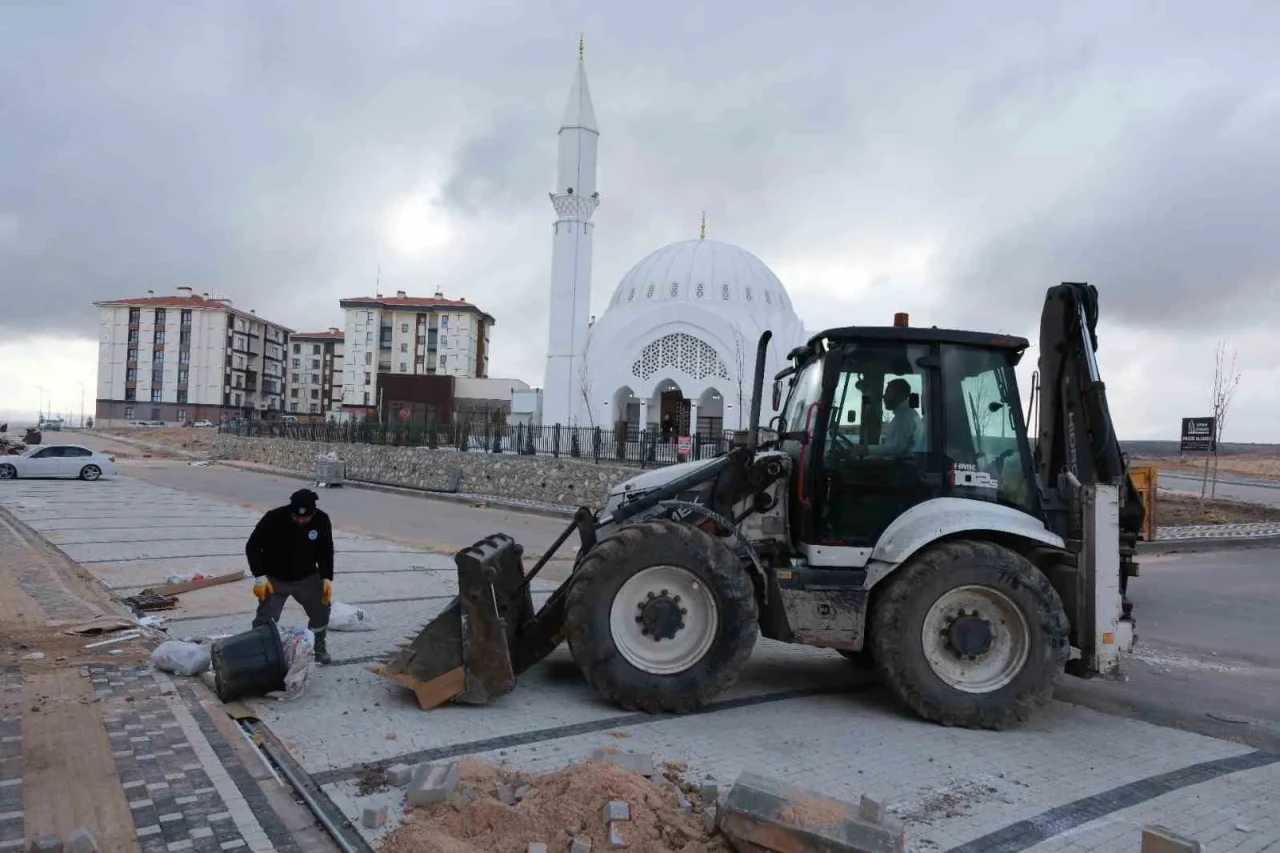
<point x="558" y="807"/>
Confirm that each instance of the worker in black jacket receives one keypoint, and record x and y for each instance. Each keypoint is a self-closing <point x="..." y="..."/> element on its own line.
<point x="291" y="554"/>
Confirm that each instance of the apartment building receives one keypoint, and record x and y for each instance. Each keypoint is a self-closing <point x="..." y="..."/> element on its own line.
<point x="410" y="335"/>
<point x="315" y="373"/>
<point x="187" y="357"/>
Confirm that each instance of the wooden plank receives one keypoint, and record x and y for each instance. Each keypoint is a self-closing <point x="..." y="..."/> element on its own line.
<point x="191" y="586"/>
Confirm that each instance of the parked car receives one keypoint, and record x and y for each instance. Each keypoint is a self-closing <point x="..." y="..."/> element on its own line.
<point x="58" y="460"/>
<point x="203" y="424"/>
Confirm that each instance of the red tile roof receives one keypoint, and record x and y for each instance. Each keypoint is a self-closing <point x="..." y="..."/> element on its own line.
<point x="192" y="301"/>
<point x="326" y="335"/>
<point x="412" y="302"/>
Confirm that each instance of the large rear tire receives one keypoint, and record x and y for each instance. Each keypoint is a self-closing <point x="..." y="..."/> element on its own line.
<point x="969" y="633"/>
<point x="661" y="617"/>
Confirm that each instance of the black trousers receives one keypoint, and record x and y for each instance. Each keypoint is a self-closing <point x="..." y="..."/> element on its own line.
<point x="308" y="592"/>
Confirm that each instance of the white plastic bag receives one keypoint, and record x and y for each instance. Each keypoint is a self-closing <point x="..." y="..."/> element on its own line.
<point x="299" y="659"/>
<point x="171" y="580"/>
<point x="180" y="658"/>
<point x="348" y="617"/>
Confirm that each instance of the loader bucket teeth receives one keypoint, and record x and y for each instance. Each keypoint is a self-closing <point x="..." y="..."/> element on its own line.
<point x="464" y="654"/>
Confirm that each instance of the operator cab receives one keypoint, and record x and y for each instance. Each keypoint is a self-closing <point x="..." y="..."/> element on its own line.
<point x="880" y="419"/>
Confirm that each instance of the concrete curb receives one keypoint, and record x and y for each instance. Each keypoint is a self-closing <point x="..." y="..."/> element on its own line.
<point x="1208" y="543"/>
<point x="491" y="501"/>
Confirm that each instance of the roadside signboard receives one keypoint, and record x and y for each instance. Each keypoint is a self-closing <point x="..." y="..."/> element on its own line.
<point x="1199" y="434"/>
<point x="684" y="444"/>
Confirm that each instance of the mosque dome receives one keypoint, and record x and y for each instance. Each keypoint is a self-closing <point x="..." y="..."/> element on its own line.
<point x="704" y="273"/>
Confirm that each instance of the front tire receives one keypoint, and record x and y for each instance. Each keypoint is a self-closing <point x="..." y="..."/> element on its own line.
<point x="971" y="634"/>
<point x="661" y="617"/>
<point x="8" y="472"/>
<point x="90" y="473"/>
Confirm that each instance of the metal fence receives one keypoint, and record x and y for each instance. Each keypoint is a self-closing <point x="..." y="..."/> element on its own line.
<point x="645" y="448"/>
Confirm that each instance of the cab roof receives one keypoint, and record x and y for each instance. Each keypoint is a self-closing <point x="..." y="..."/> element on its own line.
<point x="920" y="334"/>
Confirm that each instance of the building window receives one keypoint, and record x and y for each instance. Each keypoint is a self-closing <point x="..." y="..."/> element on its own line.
<point x="297" y="362"/>
<point x="293" y="392"/>
<point x="293" y="407"/>
<point x="182" y="415"/>
<point x="131" y="375"/>
<point x="404" y="328"/>
<point x="315" y="349"/>
<point x="315" y="393"/>
<point x="131" y="393"/>
<point x="368" y="316"/>
<point x="155" y="396"/>
<point x="182" y="377"/>
<point x="236" y="398"/>
<point x="184" y="338"/>
<point x="315" y="379"/>
<point x="366" y="398"/>
<point x="297" y="348"/>
<point x="132" y="355"/>
<point x="404" y="368"/>
<point x="724" y="292"/>
<point x="135" y="314"/>
<point x="159" y="316"/>
<point x="133" y="336"/>
<point x="367" y="379"/>
<point x="293" y="377"/>
<point x="315" y="364"/>
<point x="443" y="359"/>
<point x="315" y="408"/>
<point x="186" y="316"/>
<point x="182" y="398"/>
<point x="368" y="337"/>
<point x="184" y="357"/>
<point x="404" y="348"/>
<point x="157" y="356"/>
<point x="368" y="358"/>
<point x="444" y="321"/>
<point x="128" y="413"/>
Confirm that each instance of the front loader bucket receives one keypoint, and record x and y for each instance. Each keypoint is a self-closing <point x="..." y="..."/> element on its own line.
<point x="464" y="654"/>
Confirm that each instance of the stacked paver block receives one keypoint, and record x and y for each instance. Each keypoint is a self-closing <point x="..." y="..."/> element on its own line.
<point x="1159" y="839"/>
<point x="765" y="814"/>
<point x="432" y="783"/>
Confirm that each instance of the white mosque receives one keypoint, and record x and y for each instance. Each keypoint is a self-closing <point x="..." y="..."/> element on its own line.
<point x="676" y="343"/>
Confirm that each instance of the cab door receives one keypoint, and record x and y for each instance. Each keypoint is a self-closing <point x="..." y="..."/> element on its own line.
<point x="876" y="459"/>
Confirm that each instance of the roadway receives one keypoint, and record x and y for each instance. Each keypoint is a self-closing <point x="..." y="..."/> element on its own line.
<point x="1253" y="491"/>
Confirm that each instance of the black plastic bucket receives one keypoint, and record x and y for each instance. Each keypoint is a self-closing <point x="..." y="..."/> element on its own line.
<point x="248" y="664"/>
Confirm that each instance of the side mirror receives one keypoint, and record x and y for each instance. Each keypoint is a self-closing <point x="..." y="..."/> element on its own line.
<point x="777" y="394"/>
<point x="994" y="407"/>
<point x="852" y="417"/>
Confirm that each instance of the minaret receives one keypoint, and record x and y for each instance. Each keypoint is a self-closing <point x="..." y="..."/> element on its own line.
<point x="574" y="200"/>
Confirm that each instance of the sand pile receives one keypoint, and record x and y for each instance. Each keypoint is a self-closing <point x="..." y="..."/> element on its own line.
<point x="557" y="808"/>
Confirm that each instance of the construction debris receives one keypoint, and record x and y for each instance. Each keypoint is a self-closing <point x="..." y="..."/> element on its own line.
<point x="578" y="809"/>
<point x="149" y="601"/>
<point x="192" y="585"/>
<point x="1161" y="839"/>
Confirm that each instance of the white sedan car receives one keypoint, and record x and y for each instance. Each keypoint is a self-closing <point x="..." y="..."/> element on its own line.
<point x="58" y="460"/>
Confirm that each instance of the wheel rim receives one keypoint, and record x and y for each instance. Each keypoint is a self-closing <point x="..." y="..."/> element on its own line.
<point x="6" y="472"/>
<point x="975" y="639"/>
<point x="91" y="472"/>
<point x="663" y="620"/>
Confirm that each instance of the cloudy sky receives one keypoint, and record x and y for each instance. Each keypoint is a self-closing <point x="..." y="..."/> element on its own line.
<point x="950" y="160"/>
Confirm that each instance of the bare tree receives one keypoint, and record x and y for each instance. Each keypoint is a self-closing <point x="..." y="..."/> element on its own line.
<point x="584" y="388"/>
<point x="1226" y="377"/>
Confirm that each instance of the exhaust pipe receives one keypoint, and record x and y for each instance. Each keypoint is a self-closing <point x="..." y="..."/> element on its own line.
<point x="757" y="391"/>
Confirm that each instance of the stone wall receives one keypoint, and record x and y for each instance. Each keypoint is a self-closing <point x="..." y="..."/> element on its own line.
<point x="527" y="478"/>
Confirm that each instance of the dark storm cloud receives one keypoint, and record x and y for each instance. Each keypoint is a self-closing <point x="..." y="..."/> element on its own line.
<point x="255" y="149"/>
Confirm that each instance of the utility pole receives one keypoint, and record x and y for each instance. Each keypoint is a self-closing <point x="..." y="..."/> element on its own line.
<point x="81" y="384"/>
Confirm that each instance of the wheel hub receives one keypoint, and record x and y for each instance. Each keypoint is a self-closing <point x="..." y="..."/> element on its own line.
<point x="661" y="616"/>
<point x="969" y="636"/>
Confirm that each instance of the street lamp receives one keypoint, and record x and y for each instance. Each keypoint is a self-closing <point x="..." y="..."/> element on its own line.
<point x="81" y="384"/>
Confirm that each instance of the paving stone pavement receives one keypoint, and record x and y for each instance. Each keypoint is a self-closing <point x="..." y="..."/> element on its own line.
<point x="1244" y="530"/>
<point x="1071" y="777"/>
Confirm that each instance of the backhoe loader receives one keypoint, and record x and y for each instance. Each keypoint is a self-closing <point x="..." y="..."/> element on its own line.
<point x="896" y="510"/>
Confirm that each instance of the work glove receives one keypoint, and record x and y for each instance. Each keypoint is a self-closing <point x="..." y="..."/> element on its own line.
<point x="326" y="595"/>
<point x="262" y="588"/>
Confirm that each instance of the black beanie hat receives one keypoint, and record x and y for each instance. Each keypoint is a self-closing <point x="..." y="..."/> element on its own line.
<point x="303" y="502"/>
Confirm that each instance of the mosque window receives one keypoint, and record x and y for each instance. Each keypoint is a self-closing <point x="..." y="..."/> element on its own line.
<point x="675" y="289"/>
<point x="649" y="293"/>
<point x="724" y="292"/>
<point x="747" y="294"/>
<point x="632" y="295"/>
<point x="683" y="352"/>
<point x="702" y="288"/>
<point x="767" y="298"/>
